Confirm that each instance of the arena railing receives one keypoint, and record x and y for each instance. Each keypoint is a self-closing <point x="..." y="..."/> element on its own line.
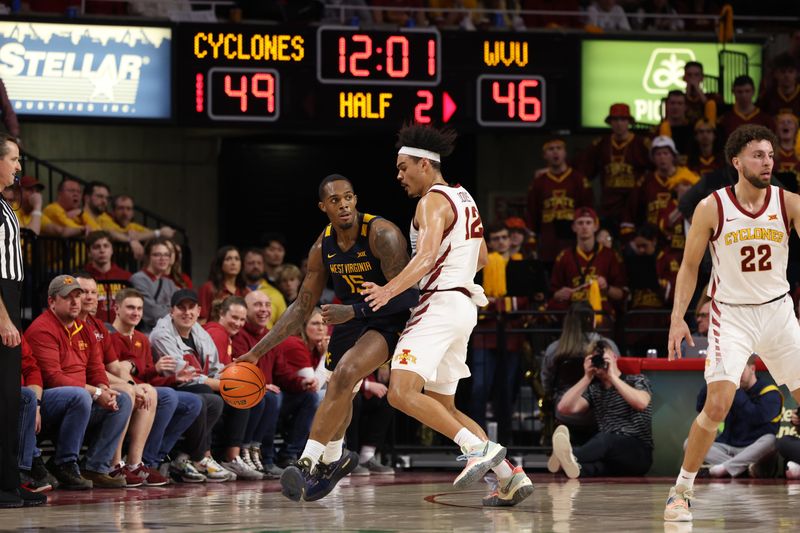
<point x="50" y="175"/>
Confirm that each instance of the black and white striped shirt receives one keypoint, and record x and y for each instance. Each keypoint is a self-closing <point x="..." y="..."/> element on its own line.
<point x="615" y="415"/>
<point x="10" y="248"/>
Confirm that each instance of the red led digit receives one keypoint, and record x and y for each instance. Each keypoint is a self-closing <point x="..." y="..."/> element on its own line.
<point x="390" y="67"/>
<point x="268" y="93"/>
<point x="507" y="99"/>
<point x="199" y="86"/>
<point x="532" y="101"/>
<point x="357" y="56"/>
<point x="240" y="93"/>
<point x="431" y="57"/>
<point x="342" y="55"/>
<point x="425" y="105"/>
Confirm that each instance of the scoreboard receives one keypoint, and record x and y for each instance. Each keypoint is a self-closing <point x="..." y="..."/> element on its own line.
<point x="334" y="77"/>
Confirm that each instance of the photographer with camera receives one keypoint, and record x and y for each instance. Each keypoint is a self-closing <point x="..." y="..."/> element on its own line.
<point x="621" y="404"/>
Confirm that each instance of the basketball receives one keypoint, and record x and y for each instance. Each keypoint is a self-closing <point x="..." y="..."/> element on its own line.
<point x="242" y="385"/>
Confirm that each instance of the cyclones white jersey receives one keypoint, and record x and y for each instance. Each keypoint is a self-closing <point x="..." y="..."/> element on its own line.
<point x="457" y="258"/>
<point x="749" y="251"/>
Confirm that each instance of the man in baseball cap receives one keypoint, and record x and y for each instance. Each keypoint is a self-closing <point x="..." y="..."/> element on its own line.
<point x="63" y="286"/>
<point x="184" y="295"/>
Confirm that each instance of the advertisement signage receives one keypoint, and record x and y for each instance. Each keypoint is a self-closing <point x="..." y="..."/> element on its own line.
<point x="641" y="73"/>
<point x="86" y="70"/>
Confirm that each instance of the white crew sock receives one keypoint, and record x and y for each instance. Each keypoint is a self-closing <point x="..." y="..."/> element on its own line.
<point x="312" y="452"/>
<point x="686" y="479"/>
<point x="504" y="470"/>
<point x="367" y="453"/>
<point x="466" y="439"/>
<point x="333" y="451"/>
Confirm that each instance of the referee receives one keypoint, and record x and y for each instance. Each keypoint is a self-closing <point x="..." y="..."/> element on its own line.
<point x="10" y="353"/>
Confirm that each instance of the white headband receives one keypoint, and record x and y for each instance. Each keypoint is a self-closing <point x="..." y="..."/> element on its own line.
<point x="419" y="152"/>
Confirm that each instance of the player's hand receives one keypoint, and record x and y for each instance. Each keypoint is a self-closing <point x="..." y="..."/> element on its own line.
<point x="377" y="295"/>
<point x="337" y="314"/>
<point x="9" y="333"/>
<point x="271" y="387"/>
<point x="248" y="357"/>
<point x="678" y="331"/>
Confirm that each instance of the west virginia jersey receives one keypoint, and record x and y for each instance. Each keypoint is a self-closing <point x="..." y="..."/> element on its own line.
<point x="349" y="270"/>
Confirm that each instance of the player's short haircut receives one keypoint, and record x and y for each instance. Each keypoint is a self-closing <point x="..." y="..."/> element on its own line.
<point x="745" y="134"/>
<point x="95" y="236"/>
<point x="690" y="64"/>
<point x="128" y="292"/>
<point x="441" y="141"/>
<point x="330" y="179"/>
<point x="742" y="80"/>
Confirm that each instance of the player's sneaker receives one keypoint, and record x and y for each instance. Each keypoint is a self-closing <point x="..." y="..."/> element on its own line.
<point x="294" y="479"/>
<point x="480" y="459"/>
<point x="678" y="504"/>
<point x="510" y="491"/>
<point x="562" y="449"/>
<point x="325" y="477"/>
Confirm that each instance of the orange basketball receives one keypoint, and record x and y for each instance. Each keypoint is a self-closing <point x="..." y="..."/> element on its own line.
<point x="242" y="385"/>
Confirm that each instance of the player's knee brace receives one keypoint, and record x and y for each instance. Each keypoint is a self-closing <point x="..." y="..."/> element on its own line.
<point x="706" y="423"/>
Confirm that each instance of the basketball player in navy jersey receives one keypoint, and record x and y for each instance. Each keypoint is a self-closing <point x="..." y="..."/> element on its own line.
<point x="746" y="227"/>
<point x="354" y="248"/>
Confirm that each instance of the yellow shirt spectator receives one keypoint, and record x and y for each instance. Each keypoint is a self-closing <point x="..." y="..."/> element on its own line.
<point x="57" y="215"/>
<point x="275" y="296"/>
<point x="108" y="224"/>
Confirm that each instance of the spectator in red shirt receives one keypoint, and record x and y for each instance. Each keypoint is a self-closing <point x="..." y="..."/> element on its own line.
<point x="225" y="279"/>
<point x="704" y="156"/>
<point x="119" y="374"/>
<point x="744" y="111"/>
<point x="785" y="92"/>
<point x="180" y="278"/>
<point x="111" y="277"/>
<point x="176" y="411"/>
<point x="232" y="317"/>
<point x="65" y="359"/>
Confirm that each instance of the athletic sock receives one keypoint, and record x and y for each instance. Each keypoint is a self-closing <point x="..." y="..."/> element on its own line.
<point x="686" y="479"/>
<point x="466" y="439"/>
<point x="312" y="452"/>
<point x="333" y="451"/>
<point x="504" y="470"/>
<point x="367" y="453"/>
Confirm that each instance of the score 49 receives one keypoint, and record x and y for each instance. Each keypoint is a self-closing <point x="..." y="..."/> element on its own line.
<point x="243" y="94"/>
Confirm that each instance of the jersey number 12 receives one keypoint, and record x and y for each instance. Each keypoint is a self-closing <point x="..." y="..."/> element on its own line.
<point x="474" y="225"/>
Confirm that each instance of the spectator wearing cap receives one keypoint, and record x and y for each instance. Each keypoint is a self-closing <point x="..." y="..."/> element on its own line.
<point x="553" y="195"/>
<point x="120" y="378"/>
<point x="699" y="103"/>
<point x="121" y="220"/>
<point x="253" y="271"/>
<point x="67" y="360"/>
<point x="619" y="159"/>
<point x="652" y="193"/>
<point x="225" y="279"/>
<point x="30" y="214"/>
<point x="520" y="239"/>
<point x="176" y="411"/>
<point x="66" y="212"/>
<point x="180" y="337"/>
<point x="676" y="124"/>
<point x="154" y="283"/>
<point x="787" y="155"/>
<point x="274" y="255"/>
<point x="588" y="271"/>
<point x="784" y="94"/>
<point x="111" y="277"/>
<point x="704" y="155"/>
<point x="744" y="111"/>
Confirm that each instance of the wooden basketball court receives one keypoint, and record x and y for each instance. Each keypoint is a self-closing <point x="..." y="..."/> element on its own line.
<point x="423" y="502"/>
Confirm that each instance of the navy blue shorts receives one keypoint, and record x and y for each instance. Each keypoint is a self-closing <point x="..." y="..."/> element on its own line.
<point x="345" y="335"/>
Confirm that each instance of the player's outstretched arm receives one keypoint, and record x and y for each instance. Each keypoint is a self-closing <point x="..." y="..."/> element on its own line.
<point x="704" y="223"/>
<point x="792" y="203"/>
<point x="433" y="215"/>
<point x="292" y="319"/>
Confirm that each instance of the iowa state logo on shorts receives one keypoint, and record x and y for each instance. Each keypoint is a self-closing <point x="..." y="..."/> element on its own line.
<point x="405" y="357"/>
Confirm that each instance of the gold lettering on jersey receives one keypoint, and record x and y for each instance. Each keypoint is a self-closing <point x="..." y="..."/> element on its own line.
<point x="350" y="268"/>
<point x="619" y="175"/>
<point x="754" y="234"/>
<point x="558" y="207"/>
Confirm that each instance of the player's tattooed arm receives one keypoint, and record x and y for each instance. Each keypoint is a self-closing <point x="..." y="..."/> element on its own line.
<point x="390" y="247"/>
<point x="291" y="321"/>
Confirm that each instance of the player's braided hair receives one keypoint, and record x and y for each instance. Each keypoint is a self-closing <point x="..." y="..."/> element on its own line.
<point x="745" y="134"/>
<point x="441" y="141"/>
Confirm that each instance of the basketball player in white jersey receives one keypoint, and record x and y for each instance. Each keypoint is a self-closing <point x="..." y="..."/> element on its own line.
<point x="448" y="246"/>
<point x="747" y="229"/>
